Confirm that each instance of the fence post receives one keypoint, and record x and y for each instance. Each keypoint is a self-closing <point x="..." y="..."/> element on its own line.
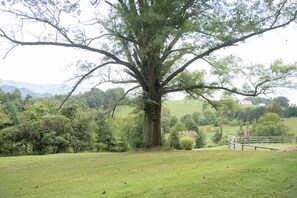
<point x="282" y="139"/>
<point x="242" y="146"/>
<point x="255" y="148"/>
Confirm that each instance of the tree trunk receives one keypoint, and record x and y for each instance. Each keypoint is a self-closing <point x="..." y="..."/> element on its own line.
<point x="152" y="129"/>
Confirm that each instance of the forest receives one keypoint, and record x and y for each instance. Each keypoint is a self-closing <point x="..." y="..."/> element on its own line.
<point x="91" y="121"/>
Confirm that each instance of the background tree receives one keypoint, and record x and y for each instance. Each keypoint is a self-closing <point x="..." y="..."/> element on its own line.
<point x="283" y="101"/>
<point x="154" y="43"/>
<point x="271" y="125"/>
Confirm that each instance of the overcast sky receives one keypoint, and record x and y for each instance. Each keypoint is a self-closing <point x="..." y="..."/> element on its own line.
<point x="48" y="65"/>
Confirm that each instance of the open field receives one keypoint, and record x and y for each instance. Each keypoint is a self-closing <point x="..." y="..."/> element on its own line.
<point x="179" y="108"/>
<point x="151" y="174"/>
<point x="292" y="124"/>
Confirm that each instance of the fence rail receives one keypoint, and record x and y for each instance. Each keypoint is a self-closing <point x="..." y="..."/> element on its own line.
<point x="264" y="139"/>
<point x="233" y="146"/>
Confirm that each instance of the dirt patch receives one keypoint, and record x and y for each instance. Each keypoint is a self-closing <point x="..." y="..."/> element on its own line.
<point x="291" y="148"/>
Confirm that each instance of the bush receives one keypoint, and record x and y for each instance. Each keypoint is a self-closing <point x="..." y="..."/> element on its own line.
<point x="174" y="140"/>
<point x="174" y="135"/>
<point x="216" y="138"/>
<point x="271" y="125"/>
<point x="223" y="141"/>
<point x="200" y="140"/>
<point x="187" y="143"/>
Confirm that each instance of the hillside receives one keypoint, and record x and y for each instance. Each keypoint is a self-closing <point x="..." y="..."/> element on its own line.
<point x="37" y="90"/>
<point x="180" y="108"/>
<point x="24" y="91"/>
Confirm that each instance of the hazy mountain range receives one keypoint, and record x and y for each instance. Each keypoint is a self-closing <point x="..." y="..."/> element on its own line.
<point x="36" y="90"/>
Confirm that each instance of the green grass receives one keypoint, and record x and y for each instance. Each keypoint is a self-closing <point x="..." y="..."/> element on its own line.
<point x="201" y="173"/>
<point x="177" y="108"/>
<point x="292" y="124"/>
<point x="180" y="108"/>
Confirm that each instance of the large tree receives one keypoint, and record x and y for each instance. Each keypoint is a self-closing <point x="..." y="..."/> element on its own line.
<point x="151" y="44"/>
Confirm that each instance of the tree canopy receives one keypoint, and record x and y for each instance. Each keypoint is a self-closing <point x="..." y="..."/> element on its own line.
<point x="151" y="44"/>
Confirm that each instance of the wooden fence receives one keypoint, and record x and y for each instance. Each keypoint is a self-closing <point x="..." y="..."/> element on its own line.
<point x="233" y="146"/>
<point x="264" y="139"/>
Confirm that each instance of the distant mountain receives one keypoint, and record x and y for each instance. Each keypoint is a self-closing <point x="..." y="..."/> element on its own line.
<point x="36" y="90"/>
<point x="24" y="91"/>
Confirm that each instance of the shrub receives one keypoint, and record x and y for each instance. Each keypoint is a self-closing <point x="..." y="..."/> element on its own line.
<point x="187" y="143"/>
<point x="200" y="140"/>
<point x="271" y="125"/>
<point x="174" y="140"/>
<point x="174" y="135"/>
<point x="216" y="138"/>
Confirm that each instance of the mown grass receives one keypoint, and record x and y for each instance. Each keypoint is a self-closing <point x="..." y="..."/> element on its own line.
<point x="151" y="174"/>
<point x="179" y="108"/>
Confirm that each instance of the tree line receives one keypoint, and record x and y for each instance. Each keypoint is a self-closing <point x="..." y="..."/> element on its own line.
<point x="35" y="126"/>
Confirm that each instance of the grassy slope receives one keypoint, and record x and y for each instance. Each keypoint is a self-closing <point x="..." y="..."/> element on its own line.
<point x="180" y="108"/>
<point x="177" y="108"/>
<point x="292" y="124"/>
<point x="151" y="174"/>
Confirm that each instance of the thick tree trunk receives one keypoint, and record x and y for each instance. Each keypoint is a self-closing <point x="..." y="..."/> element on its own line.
<point x="152" y="130"/>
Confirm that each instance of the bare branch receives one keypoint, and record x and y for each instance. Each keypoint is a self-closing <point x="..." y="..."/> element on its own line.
<point x="9" y="50"/>
<point x="82" y="79"/>
<point x="127" y="92"/>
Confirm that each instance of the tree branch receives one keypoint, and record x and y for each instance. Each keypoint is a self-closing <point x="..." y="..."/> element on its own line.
<point x="128" y="91"/>
<point x="223" y="45"/>
<point x="82" y="79"/>
<point x="195" y="87"/>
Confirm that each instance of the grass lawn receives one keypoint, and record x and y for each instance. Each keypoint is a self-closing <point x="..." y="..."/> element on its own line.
<point x="201" y="173"/>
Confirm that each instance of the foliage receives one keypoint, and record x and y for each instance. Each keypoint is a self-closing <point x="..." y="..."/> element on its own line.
<point x="200" y="140"/>
<point x="217" y="136"/>
<point x="150" y="45"/>
<point x="41" y="129"/>
<point x="274" y="107"/>
<point x="291" y="111"/>
<point x="174" y="136"/>
<point x="133" y="128"/>
<point x="282" y="101"/>
<point x="271" y="125"/>
<point x="81" y="126"/>
<point x="189" y="123"/>
<point x="187" y="143"/>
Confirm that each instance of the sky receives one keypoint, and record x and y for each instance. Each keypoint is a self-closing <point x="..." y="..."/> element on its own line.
<point x="51" y="65"/>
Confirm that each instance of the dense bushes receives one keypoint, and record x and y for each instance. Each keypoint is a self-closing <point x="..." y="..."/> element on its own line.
<point x="34" y="126"/>
<point x="271" y="125"/>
